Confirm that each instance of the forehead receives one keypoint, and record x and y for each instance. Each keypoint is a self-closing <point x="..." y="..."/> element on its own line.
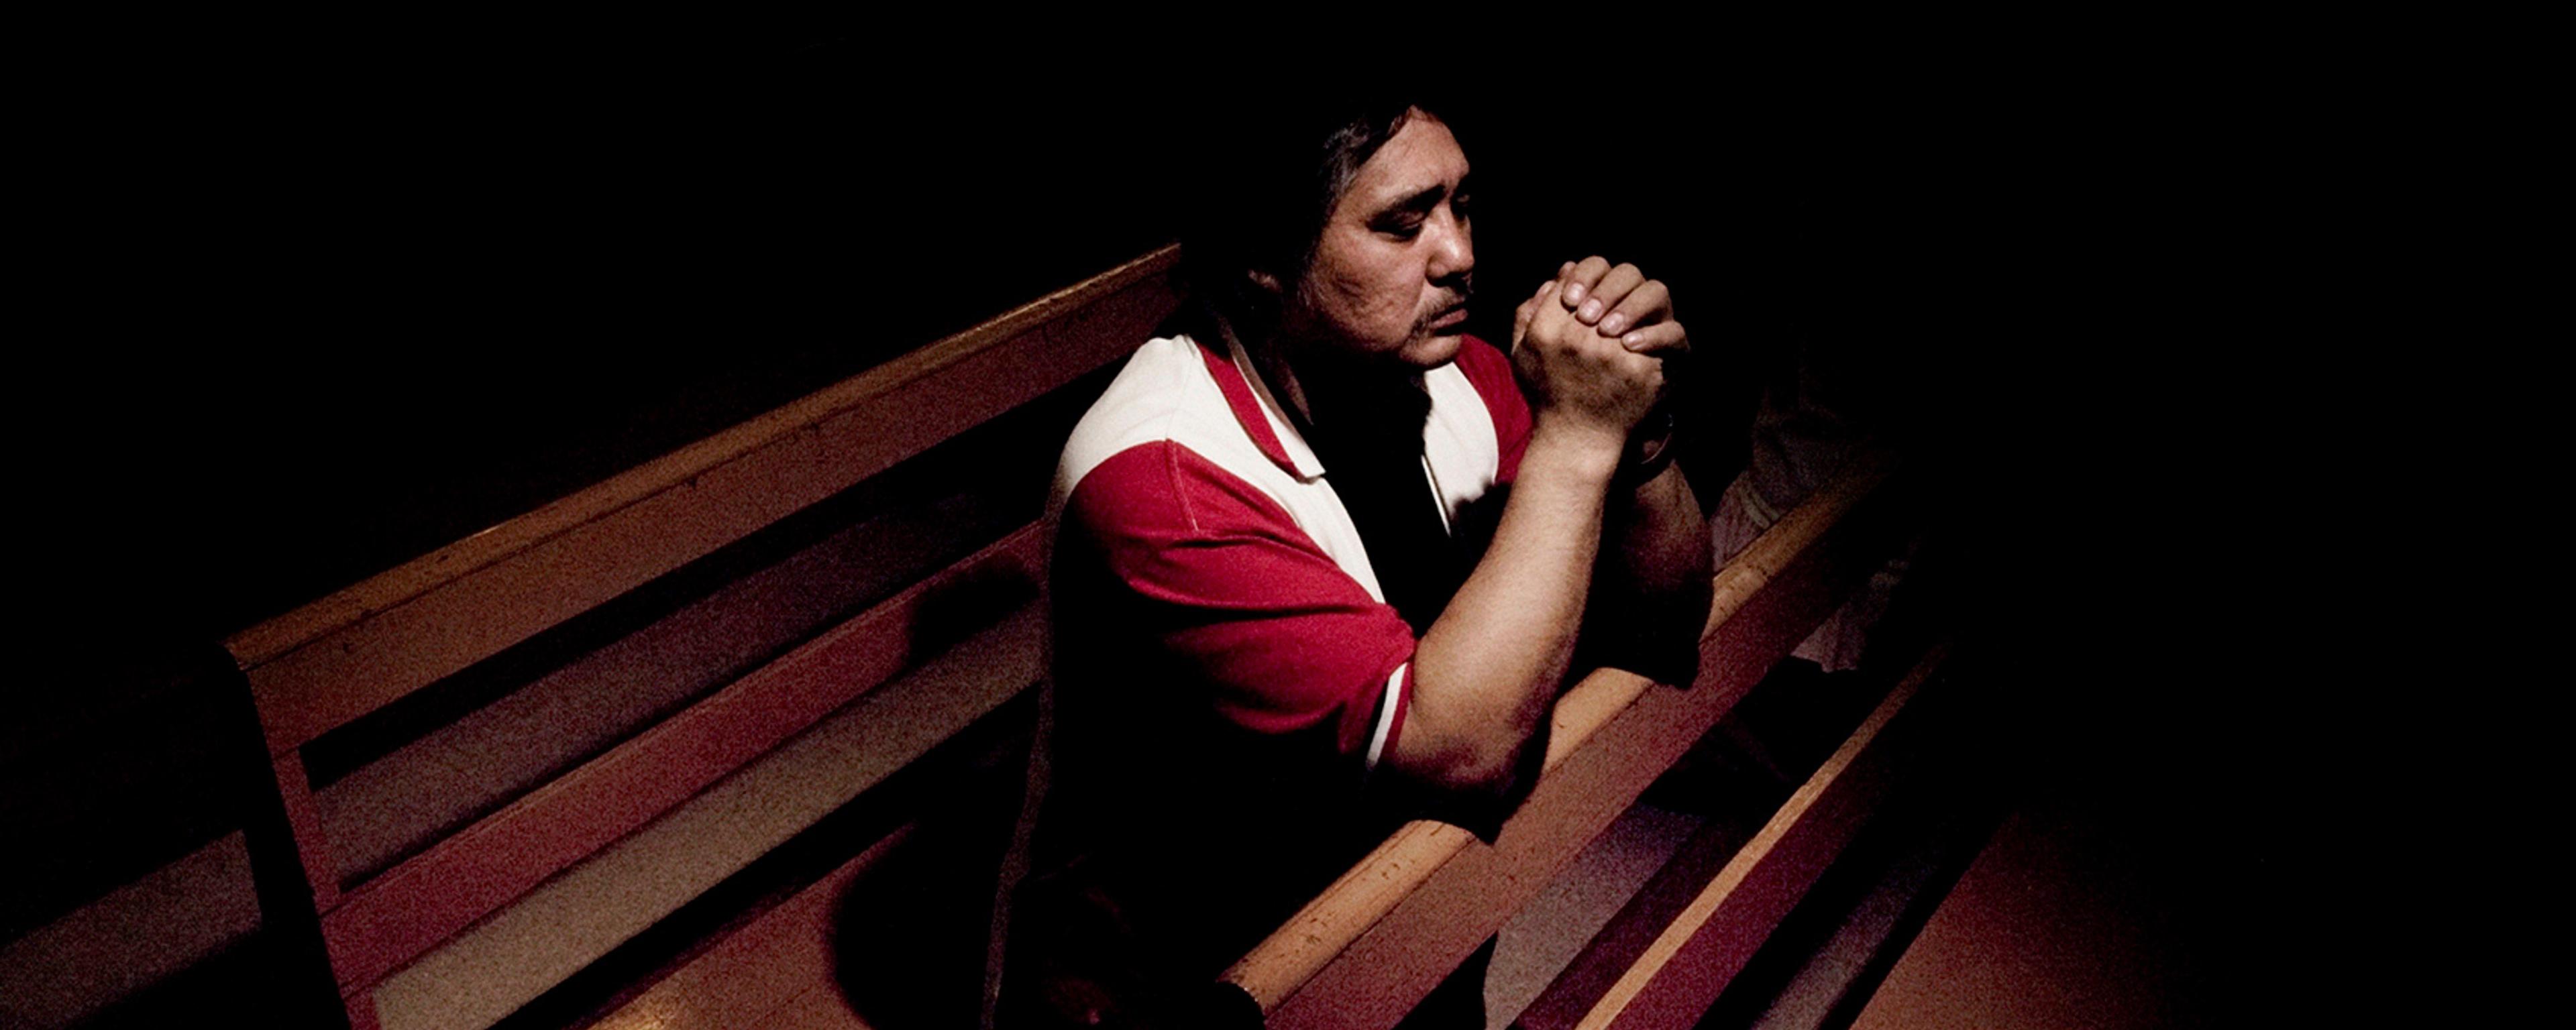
<point x="1422" y="155"/>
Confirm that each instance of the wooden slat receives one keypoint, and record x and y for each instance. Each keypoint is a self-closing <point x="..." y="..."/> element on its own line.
<point x="758" y="969"/>
<point x="430" y="897"/>
<point x="1610" y="952"/>
<point x="304" y="822"/>
<point x="584" y="913"/>
<point x="1682" y="972"/>
<point x="1377" y="940"/>
<point x="322" y="665"/>
<point x="394" y="806"/>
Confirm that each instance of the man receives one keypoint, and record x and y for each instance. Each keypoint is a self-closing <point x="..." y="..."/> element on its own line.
<point x="1323" y="562"/>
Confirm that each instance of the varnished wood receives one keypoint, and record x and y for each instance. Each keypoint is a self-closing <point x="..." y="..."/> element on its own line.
<point x="399" y="804"/>
<point x="820" y="1008"/>
<point x="760" y="968"/>
<point x="426" y="899"/>
<point x="503" y="882"/>
<point x="304" y="823"/>
<point x="1362" y="954"/>
<point x="1376" y="941"/>
<point x="588" y="910"/>
<point x="1691" y="961"/>
<point x="1611" y="951"/>
<point x="322" y="665"/>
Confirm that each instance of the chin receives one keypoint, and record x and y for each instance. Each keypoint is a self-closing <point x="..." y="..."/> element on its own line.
<point x="1430" y="352"/>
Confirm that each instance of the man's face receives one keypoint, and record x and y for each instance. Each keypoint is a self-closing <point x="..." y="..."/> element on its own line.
<point x="1391" y="272"/>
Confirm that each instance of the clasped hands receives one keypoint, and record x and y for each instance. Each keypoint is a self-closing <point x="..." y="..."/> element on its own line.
<point x="1592" y="345"/>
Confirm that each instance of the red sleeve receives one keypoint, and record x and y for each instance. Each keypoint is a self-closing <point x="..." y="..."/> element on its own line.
<point x="1490" y="371"/>
<point x="1228" y="585"/>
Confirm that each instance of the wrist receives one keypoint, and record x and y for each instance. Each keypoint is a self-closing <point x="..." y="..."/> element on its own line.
<point x="1648" y="450"/>
<point x="1588" y="451"/>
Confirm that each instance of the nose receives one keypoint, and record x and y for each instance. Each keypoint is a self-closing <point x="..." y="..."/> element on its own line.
<point x="1453" y="247"/>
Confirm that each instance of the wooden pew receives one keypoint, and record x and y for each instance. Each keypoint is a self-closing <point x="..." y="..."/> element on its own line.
<point x="380" y="653"/>
<point x="1375" y="943"/>
<point x="850" y="702"/>
<point x="1673" y="950"/>
<point x="1365" y="951"/>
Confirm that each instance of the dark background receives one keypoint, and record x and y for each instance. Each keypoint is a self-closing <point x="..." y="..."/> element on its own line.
<point x="319" y="303"/>
<point x="312" y="300"/>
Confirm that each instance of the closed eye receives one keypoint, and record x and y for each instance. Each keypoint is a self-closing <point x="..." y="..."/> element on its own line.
<point x="1403" y="220"/>
<point x="1400" y="226"/>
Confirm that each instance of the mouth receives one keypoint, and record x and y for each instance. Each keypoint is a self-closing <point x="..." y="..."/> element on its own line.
<point x="1448" y="319"/>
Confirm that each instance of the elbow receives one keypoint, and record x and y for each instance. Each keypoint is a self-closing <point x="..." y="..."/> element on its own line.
<point x="1476" y="772"/>
<point x="1477" y="786"/>
<point x="1466" y="765"/>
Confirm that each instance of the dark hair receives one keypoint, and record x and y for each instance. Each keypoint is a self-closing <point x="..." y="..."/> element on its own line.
<point x="1263" y="186"/>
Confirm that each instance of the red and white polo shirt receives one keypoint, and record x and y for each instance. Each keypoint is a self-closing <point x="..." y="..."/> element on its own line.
<point x="1186" y="492"/>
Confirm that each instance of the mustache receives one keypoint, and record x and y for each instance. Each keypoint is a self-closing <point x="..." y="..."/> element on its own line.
<point x="1464" y="287"/>
<point x="1462" y="293"/>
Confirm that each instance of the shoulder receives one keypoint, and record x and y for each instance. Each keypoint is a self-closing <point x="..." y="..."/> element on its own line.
<point x="1162" y="394"/>
<point x="1161" y="454"/>
<point x="1162" y="492"/>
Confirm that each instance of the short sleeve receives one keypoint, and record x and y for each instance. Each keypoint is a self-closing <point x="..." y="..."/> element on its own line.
<point x="1219" y="582"/>
<point x="1490" y="372"/>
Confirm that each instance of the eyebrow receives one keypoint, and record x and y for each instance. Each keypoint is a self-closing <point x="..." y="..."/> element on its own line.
<point x="1426" y="198"/>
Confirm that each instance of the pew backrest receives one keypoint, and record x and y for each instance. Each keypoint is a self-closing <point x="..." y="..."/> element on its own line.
<point x="340" y="665"/>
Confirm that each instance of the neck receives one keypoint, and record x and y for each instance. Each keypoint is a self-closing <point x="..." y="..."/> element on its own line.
<point x="1343" y="401"/>
<point x="1320" y="385"/>
<point x="1269" y="357"/>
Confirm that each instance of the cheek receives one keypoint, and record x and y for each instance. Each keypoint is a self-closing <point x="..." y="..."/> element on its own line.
<point x="1369" y="295"/>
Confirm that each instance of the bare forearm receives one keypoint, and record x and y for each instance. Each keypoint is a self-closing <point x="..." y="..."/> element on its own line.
<point x="1486" y="671"/>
